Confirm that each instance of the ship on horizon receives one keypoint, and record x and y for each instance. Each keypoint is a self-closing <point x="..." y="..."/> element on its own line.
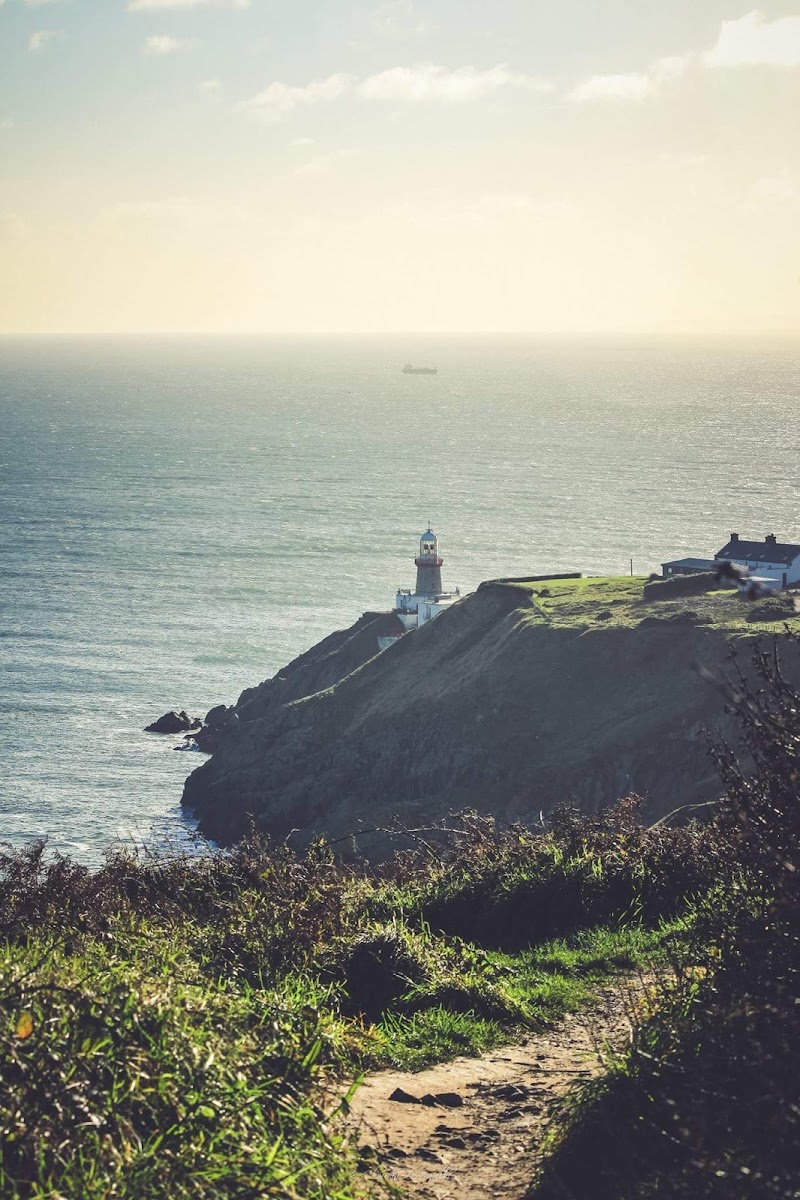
<point x="410" y="369"/>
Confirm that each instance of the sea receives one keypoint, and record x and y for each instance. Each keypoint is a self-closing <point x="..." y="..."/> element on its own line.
<point x="180" y="517"/>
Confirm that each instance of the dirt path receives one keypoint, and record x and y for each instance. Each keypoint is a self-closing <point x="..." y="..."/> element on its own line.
<point x="470" y="1129"/>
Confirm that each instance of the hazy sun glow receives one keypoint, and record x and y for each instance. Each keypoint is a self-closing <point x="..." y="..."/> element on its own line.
<point x="241" y="165"/>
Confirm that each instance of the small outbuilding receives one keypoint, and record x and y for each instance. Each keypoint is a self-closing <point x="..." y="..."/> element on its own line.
<point x="688" y="566"/>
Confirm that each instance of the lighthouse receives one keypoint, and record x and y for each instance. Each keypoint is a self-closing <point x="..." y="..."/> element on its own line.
<point x="428" y="599"/>
<point x="429" y="566"/>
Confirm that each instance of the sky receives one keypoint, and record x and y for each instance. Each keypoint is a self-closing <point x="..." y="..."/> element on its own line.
<point x="392" y="165"/>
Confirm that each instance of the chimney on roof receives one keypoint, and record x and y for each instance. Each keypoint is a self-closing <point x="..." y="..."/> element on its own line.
<point x="770" y="539"/>
<point x="734" y="537"/>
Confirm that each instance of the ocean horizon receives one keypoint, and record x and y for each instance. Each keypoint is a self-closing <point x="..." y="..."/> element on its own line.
<point x="181" y="516"/>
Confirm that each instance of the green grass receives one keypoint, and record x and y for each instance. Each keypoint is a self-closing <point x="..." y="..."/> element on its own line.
<point x="434" y="1035"/>
<point x="560" y="977"/>
<point x="128" y="1072"/>
<point x="575" y="602"/>
<point x="189" y="1083"/>
<point x="172" y="1027"/>
<point x="617" y="601"/>
<point x="611" y="948"/>
<point x="538" y="987"/>
<point x="529" y="889"/>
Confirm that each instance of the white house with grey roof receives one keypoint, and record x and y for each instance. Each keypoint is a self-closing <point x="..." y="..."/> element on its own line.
<point x="773" y="562"/>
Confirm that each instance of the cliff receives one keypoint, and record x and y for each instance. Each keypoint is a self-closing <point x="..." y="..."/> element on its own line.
<point x="519" y="697"/>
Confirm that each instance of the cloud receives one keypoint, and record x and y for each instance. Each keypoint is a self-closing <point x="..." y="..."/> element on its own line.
<point x="211" y="87"/>
<point x="280" y="99"/>
<point x="41" y="3"/>
<point x="502" y="206"/>
<point x="673" y="66"/>
<point x="506" y="202"/>
<point x="631" y="86"/>
<point x="180" y="210"/>
<point x="183" y="5"/>
<point x="753" y="41"/>
<point x="440" y="84"/>
<point x="40" y="39"/>
<point x="162" y="43"/>
<point x="176" y="216"/>
<point x="127" y="210"/>
<point x="323" y="164"/>
<point x="320" y="165"/>
<point x="303" y="141"/>
<point x="6" y="122"/>
<point x="424" y="83"/>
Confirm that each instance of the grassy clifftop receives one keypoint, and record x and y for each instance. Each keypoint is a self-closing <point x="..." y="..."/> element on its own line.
<point x="522" y="696"/>
<point x="619" y="602"/>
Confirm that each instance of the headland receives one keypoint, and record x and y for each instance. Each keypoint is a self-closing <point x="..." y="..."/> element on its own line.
<point x="519" y="697"/>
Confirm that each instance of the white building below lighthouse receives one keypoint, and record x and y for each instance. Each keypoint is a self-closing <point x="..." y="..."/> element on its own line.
<point x="428" y="598"/>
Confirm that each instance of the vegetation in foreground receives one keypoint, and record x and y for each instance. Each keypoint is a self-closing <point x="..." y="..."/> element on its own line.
<point x="188" y="1026"/>
<point x="707" y="1100"/>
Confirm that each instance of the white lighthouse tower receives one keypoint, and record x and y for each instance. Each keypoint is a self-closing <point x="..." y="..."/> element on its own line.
<point x="428" y="599"/>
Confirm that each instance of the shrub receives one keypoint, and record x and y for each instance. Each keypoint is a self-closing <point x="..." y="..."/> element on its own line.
<point x="777" y="608"/>
<point x="127" y="1074"/>
<point x="252" y="911"/>
<point x="707" y="1102"/>
<point x="163" y="1020"/>
<point x="682" y="585"/>
<point x="156" y="1038"/>
<point x="508" y="889"/>
<point x="378" y="967"/>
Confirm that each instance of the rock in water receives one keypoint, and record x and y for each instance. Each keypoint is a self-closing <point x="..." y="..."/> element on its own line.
<point x="174" y="722"/>
<point x="216" y="716"/>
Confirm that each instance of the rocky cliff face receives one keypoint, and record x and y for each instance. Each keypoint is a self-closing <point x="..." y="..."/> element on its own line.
<point x="508" y="703"/>
<point x="320" y="668"/>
